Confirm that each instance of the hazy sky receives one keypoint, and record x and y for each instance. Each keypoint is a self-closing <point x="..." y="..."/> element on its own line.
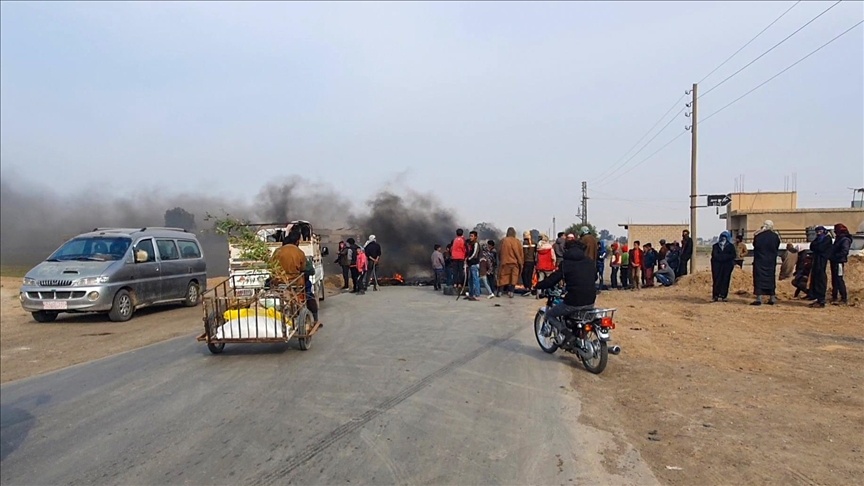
<point x="499" y="109"/>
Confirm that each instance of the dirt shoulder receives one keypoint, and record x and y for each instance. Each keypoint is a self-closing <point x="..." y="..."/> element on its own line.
<point x="28" y="348"/>
<point x="728" y="393"/>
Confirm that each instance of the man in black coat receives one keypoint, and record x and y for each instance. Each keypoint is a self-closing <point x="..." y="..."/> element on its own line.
<point x="579" y="273"/>
<point x="686" y="253"/>
<point x="766" y="248"/>
<point x="821" y="247"/>
<point x="373" y="254"/>
<point x="722" y="263"/>
<point x="839" y="257"/>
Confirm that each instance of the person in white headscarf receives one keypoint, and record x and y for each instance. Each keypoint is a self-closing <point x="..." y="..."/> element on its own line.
<point x="766" y="249"/>
<point x="373" y="255"/>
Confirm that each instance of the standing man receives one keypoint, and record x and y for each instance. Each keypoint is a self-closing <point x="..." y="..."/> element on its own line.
<point x="457" y="259"/>
<point x="343" y="259"/>
<point x="741" y="250"/>
<point x="601" y="263"/>
<point x="839" y="257"/>
<point x="438" y="266"/>
<point x="472" y="260"/>
<point x="821" y="248"/>
<point x="355" y="274"/>
<point x="686" y="253"/>
<point x="558" y="247"/>
<point x="529" y="257"/>
<point x="636" y="266"/>
<point x="510" y="260"/>
<point x="373" y="255"/>
<point x="493" y="267"/>
<point x="766" y="248"/>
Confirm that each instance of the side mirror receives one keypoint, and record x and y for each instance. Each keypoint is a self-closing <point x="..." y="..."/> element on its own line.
<point x="140" y="256"/>
<point x="325" y="251"/>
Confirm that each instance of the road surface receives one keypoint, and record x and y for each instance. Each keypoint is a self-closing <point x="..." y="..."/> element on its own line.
<point x="402" y="386"/>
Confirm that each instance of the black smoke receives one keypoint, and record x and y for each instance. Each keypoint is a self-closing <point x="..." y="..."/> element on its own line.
<point x="35" y="220"/>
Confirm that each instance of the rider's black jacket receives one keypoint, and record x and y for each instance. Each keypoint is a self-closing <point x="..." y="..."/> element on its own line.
<point x="579" y="273"/>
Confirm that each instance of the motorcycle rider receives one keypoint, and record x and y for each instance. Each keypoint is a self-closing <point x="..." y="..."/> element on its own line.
<point x="579" y="273"/>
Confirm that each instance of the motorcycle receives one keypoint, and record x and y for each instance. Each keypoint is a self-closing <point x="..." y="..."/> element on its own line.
<point x="586" y="333"/>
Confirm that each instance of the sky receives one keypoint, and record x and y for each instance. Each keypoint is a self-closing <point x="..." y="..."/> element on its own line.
<point x="499" y="110"/>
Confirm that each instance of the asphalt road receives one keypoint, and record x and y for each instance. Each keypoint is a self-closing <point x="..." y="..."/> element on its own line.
<point x="402" y="386"/>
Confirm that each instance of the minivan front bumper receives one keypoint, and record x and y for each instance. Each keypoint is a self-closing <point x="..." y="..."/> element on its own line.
<point x="96" y="298"/>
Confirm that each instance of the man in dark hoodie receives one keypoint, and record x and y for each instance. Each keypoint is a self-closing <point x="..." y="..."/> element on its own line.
<point x="821" y="247"/>
<point x="579" y="274"/>
<point x="839" y="257"/>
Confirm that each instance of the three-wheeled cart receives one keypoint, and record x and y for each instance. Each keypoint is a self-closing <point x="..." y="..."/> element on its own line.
<point x="269" y="315"/>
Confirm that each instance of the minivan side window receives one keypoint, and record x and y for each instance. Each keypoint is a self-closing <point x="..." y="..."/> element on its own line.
<point x="167" y="250"/>
<point x="146" y="246"/>
<point x="189" y="249"/>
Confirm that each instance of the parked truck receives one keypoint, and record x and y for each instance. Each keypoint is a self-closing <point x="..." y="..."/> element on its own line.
<point x="250" y="275"/>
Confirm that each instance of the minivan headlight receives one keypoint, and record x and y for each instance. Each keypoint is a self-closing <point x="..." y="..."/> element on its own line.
<point x="91" y="281"/>
<point x="29" y="281"/>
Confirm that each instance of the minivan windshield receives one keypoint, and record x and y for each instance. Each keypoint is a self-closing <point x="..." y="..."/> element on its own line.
<point x="95" y="249"/>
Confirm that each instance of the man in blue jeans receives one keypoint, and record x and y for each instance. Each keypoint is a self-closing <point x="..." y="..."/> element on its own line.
<point x="472" y="261"/>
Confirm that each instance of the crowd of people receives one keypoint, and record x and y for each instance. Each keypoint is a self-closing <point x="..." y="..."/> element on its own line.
<point x="474" y="267"/>
<point x="359" y="264"/>
<point x="808" y="268"/>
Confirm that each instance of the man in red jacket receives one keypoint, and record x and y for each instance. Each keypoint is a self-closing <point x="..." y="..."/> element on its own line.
<point x="457" y="259"/>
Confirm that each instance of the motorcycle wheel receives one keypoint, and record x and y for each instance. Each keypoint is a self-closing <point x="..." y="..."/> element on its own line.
<point x="541" y="326"/>
<point x="597" y="363"/>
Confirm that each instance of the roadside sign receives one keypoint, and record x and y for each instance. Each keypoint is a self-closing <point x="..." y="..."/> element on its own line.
<point x="718" y="199"/>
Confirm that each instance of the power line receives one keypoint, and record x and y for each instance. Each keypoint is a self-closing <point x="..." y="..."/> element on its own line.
<point x="646" y="158"/>
<point x="748" y="42"/>
<point x="771" y="49"/>
<point x="643" y="147"/>
<point x="783" y="71"/>
<point x="612" y="167"/>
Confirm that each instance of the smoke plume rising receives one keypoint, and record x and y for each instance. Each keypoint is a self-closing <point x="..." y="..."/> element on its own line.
<point x="35" y="220"/>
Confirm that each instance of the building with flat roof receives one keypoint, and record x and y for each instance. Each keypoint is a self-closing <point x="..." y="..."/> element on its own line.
<point x="747" y="211"/>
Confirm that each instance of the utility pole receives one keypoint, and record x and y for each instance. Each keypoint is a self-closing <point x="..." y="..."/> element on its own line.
<point x="693" y="145"/>
<point x="584" y="212"/>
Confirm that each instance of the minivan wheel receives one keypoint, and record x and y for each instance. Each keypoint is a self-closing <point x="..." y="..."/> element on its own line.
<point x="45" y="316"/>
<point x="193" y="295"/>
<point x="122" y="308"/>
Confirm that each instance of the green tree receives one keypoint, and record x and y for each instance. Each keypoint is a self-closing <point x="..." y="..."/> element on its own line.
<point x="575" y="227"/>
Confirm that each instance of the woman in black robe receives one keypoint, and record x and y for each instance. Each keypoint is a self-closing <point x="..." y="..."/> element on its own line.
<point x="766" y="248"/>
<point x="821" y="247"/>
<point x="722" y="262"/>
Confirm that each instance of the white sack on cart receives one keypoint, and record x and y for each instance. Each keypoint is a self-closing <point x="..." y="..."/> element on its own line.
<point x="244" y="327"/>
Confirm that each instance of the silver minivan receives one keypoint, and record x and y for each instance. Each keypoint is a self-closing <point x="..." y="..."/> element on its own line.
<point x="117" y="270"/>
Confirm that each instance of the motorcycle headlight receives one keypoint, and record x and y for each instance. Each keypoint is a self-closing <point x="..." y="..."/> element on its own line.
<point x="29" y="281"/>
<point x="91" y="281"/>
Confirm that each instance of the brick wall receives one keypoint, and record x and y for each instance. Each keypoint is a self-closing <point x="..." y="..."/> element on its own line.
<point x="653" y="233"/>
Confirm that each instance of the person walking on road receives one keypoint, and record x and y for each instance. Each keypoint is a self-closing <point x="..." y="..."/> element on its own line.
<point x="472" y="261"/>
<point x="343" y="259"/>
<point x="529" y="258"/>
<point x="362" y="269"/>
<point x="352" y="263"/>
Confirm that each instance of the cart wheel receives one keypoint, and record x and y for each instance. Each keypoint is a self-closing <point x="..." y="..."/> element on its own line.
<point x="216" y="348"/>
<point x="305" y="320"/>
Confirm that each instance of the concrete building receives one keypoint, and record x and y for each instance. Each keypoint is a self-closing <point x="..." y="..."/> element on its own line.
<point x="747" y="211"/>
<point x="653" y="233"/>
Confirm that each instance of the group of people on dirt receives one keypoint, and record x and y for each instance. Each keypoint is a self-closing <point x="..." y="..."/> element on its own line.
<point x="642" y="265"/>
<point x="360" y="263"/>
<point x="808" y="268"/>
